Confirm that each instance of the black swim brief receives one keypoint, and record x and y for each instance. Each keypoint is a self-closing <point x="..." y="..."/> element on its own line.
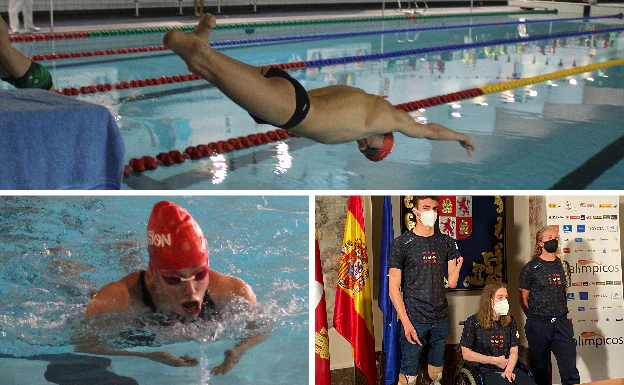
<point x="37" y="76"/>
<point x="301" y="98"/>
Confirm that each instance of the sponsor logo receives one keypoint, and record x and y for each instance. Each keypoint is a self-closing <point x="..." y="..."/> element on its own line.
<point x="581" y="320"/>
<point x="607" y="320"/>
<point x="594" y="267"/>
<point x="603" y="295"/>
<point x="616" y="295"/>
<point x="615" y="250"/>
<point x="581" y="308"/>
<point x="591" y="239"/>
<point x="429" y="257"/>
<point x="566" y="250"/>
<point x="567" y="228"/>
<point x="614" y="217"/>
<point x="606" y="206"/>
<point x="604" y="239"/>
<point x="597" y="217"/>
<point x="582" y="217"/>
<point x="578" y="250"/>
<point x="600" y="283"/>
<point x="580" y="228"/>
<point x="619" y="319"/>
<point x="606" y="217"/>
<point x="612" y="228"/>
<point x="583" y="295"/>
<point x="607" y="307"/>
<point x="556" y="227"/>
<point x="159" y="240"/>
<point x="577" y="283"/>
<point x="554" y="279"/>
<point x="578" y="239"/>
<point x="570" y="296"/>
<point x="575" y="217"/>
<point x="593" y="308"/>
<point x="591" y="250"/>
<point x="596" y="228"/>
<point x="609" y="283"/>
<point x="585" y="283"/>
<point x="552" y="205"/>
<point x="617" y="282"/>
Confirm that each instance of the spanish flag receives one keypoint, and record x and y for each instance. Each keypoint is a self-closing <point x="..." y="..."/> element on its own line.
<point x="353" y="315"/>
<point x="321" y="339"/>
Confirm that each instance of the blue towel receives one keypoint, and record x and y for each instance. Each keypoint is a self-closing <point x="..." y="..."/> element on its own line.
<point x="49" y="141"/>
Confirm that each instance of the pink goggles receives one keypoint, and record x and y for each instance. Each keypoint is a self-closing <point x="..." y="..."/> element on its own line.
<point x="174" y="279"/>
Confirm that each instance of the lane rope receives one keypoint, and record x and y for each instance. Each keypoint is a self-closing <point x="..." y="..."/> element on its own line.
<point x="141" y="31"/>
<point x="269" y="40"/>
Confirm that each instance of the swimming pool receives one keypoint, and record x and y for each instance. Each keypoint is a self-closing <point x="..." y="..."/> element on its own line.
<point x="556" y="134"/>
<point x="55" y="252"/>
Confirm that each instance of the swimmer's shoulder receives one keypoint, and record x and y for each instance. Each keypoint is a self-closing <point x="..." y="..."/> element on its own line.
<point x="224" y="288"/>
<point x="116" y="297"/>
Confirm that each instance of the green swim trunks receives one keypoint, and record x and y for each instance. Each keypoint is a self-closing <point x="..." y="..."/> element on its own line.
<point x="37" y="76"/>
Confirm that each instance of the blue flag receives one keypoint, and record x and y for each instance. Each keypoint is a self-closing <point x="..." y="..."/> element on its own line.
<point x="392" y="327"/>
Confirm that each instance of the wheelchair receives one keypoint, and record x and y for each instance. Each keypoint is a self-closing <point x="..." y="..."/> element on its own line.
<point x="470" y="374"/>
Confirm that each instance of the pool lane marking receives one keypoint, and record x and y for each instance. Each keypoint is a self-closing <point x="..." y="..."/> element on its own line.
<point x="229" y="43"/>
<point x="593" y="168"/>
<point x="72" y="91"/>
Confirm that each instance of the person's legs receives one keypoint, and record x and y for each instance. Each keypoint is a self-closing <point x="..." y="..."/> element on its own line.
<point x="494" y="378"/>
<point x="437" y="342"/>
<point x="13" y="62"/>
<point x="564" y="349"/>
<point x="14" y="9"/>
<point x="522" y="378"/>
<point x="272" y="100"/>
<point x="410" y="354"/>
<point x="539" y="336"/>
<point x="27" y="14"/>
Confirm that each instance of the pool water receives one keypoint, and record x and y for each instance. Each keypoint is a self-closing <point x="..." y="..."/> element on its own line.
<point x="536" y="137"/>
<point x="56" y="252"/>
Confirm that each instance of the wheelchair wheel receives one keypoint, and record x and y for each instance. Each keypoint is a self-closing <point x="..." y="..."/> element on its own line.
<point x="465" y="377"/>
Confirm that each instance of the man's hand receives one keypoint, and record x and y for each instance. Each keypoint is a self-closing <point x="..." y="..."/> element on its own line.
<point x="231" y="359"/>
<point x="168" y="359"/>
<point x="467" y="143"/>
<point x="500" y="361"/>
<point x="510" y="376"/>
<point x="411" y="335"/>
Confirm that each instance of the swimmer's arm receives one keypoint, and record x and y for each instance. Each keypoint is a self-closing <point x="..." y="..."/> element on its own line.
<point x="159" y="356"/>
<point x="112" y="298"/>
<point x="435" y="131"/>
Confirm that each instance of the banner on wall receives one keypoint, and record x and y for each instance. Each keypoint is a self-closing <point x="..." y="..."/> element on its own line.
<point x="477" y="223"/>
<point x="589" y="233"/>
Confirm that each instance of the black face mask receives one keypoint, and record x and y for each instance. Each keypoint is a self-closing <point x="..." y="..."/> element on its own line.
<point x="551" y="246"/>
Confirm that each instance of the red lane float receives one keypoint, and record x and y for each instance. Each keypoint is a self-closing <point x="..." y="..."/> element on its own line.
<point x="139" y="165"/>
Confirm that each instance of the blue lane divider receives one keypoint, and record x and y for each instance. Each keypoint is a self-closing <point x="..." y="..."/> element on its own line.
<point x="226" y="43"/>
<point x="386" y="55"/>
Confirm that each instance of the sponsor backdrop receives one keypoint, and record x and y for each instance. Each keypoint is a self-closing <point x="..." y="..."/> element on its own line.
<point x="589" y="233"/>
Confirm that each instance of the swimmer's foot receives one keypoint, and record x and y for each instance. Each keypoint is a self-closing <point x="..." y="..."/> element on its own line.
<point x="186" y="44"/>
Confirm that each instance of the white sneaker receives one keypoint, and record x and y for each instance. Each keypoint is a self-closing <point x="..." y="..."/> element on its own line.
<point x="13" y="31"/>
<point x="34" y="29"/>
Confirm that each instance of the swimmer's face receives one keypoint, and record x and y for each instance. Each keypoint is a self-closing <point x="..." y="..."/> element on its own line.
<point x="500" y="295"/>
<point x="371" y="144"/>
<point x="185" y="289"/>
<point x="548" y="234"/>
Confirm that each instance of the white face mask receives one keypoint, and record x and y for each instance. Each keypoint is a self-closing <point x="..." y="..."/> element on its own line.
<point x="428" y="217"/>
<point x="502" y="307"/>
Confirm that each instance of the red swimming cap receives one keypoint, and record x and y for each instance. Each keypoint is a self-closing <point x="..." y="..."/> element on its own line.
<point x="385" y="150"/>
<point x="174" y="240"/>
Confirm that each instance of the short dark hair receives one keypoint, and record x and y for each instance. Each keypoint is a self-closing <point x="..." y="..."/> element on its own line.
<point x="420" y="198"/>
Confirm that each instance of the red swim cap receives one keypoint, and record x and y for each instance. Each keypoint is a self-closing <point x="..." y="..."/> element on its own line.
<point x="385" y="150"/>
<point x="174" y="240"/>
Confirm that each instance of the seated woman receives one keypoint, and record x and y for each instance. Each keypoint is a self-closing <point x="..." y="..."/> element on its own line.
<point x="490" y="338"/>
